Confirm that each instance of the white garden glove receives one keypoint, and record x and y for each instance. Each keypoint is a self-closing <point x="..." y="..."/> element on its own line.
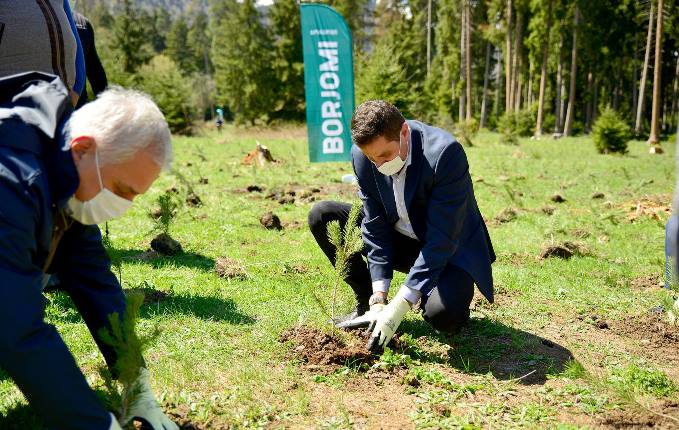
<point x="377" y="303"/>
<point x="147" y="408"/>
<point x="114" y="423"/>
<point x="387" y="321"/>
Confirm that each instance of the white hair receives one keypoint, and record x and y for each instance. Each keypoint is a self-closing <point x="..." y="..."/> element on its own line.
<point x="123" y="122"/>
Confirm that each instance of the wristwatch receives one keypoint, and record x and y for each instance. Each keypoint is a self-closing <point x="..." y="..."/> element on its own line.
<point x="377" y="299"/>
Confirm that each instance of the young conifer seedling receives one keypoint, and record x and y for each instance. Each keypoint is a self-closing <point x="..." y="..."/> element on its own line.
<point x="347" y="242"/>
<point x="124" y="392"/>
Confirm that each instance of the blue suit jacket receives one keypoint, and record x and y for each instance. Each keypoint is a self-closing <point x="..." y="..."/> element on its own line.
<point x="442" y="209"/>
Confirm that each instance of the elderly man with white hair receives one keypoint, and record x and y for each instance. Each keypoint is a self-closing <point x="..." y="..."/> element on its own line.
<point x="61" y="173"/>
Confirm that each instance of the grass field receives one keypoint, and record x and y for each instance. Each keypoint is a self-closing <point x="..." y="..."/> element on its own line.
<point x="569" y="343"/>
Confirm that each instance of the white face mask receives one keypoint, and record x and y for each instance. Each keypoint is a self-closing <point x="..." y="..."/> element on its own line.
<point x="104" y="206"/>
<point x="395" y="165"/>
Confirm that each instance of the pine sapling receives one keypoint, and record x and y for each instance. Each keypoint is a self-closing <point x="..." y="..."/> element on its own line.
<point x="123" y="338"/>
<point x="167" y="210"/>
<point x="347" y="242"/>
<point x="163" y="220"/>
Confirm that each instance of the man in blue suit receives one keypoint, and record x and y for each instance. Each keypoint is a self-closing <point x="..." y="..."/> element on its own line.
<point x="420" y="217"/>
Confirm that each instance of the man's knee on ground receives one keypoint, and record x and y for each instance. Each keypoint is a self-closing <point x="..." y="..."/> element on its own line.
<point x="447" y="320"/>
<point x="316" y="217"/>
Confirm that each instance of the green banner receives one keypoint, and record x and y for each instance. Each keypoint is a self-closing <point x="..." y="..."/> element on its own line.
<point x="328" y="82"/>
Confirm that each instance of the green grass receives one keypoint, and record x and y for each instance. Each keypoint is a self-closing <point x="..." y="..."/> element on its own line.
<point x="218" y="359"/>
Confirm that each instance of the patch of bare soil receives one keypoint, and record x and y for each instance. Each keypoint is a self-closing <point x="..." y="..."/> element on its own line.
<point x="516" y="258"/>
<point x="369" y="401"/>
<point x="230" y="269"/>
<point x="658" y="417"/>
<point x="317" y="347"/>
<point x="548" y="210"/>
<point x="151" y="295"/>
<point x="563" y="250"/>
<point x="271" y="221"/>
<point x="655" y="337"/>
<point x="164" y="244"/>
<point x="180" y="416"/>
<point x="656" y="207"/>
<point x="654" y="280"/>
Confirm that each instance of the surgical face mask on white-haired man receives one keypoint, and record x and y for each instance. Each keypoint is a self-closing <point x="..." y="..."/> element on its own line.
<point x="120" y="143"/>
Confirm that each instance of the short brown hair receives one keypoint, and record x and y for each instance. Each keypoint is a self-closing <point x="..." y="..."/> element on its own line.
<point x="373" y="119"/>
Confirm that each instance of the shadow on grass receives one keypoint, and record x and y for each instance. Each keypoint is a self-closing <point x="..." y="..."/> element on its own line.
<point x="485" y="346"/>
<point x="203" y="307"/>
<point x="155" y="260"/>
<point x="21" y="417"/>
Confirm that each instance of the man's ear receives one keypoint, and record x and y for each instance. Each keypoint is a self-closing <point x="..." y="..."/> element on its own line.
<point x="82" y="145"/>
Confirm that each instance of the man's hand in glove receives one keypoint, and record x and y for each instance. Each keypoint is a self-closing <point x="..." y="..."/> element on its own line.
<point x="377" y="303"/>
<point x="146" y="407"/>
<point x="387" y="321"/>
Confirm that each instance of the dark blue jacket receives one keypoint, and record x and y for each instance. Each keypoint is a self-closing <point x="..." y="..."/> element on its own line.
<point x="442" y="209"/>
<point x="37" y="177"/>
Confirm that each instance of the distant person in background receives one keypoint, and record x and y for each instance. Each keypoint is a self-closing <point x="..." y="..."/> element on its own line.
<point x="40" y="35"/>
<point x="219" y="121"/>
<point x="93" y="69"/>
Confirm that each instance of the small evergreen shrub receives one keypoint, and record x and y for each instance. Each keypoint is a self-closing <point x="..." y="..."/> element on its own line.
<point x="610" y="133"/>
<point x="466" y="130"/>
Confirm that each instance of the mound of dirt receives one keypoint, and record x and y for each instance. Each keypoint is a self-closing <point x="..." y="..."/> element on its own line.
<point x="317" y="347"/>
<point x="561" y="250"/>
<point x="271" y="221"/>
<point x="151" y="295"/>
<point x="557" y="198"/>
<point x="286" y="200"/>
<point x="505" y="216"/>
<point x="230" y="269"/>
<point x="193" y="200"/>
<point x="164" y="244"/>
<point x="548" y="210"/>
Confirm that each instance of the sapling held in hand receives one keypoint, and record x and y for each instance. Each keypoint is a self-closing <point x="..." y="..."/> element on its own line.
<point x="123" y="338"/>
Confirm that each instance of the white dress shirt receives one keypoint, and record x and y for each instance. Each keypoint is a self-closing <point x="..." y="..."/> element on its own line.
<point x="402" y="226"/>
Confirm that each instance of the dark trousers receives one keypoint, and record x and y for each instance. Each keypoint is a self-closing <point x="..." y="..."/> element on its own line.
<point x="446" y="308"/>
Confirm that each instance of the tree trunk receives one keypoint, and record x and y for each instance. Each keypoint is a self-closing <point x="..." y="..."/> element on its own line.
<point x="657" y="74"/>
<point x="595" y="102"/>
<point x="618" y="87"/>
<point x="529" y="87"/>
<point x="558" y="108"/>
<point x="498" y="84"/>
<point x="484" y="96"/>
<point x="428" y="38"/>
<point x="588" y="108"/>
<point x="635" y="74"/>
<point x="463" y="46"/>
<point x="543" y="73"/>
<point x="516" y="66"/>
<point x="644" y="73"/>
<point x="675" y="89"/>
<point x="509" y="83"/>
<point x="468" y="56"/>
<point x="568" y="130"/>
